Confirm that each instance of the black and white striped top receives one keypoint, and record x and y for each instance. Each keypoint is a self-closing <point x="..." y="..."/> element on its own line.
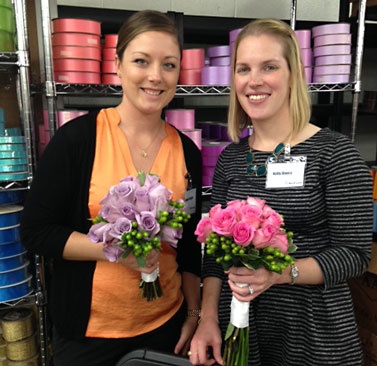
<point x="331" y="218"/>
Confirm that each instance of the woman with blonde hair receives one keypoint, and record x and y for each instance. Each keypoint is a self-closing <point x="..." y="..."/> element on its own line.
<point x="318" y="181"/>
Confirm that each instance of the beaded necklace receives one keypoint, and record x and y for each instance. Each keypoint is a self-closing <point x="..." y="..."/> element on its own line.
<point x="260" y="170"/>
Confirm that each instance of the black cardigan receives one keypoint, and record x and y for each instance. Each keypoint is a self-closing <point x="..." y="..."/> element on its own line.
<point x="57" y="205"/>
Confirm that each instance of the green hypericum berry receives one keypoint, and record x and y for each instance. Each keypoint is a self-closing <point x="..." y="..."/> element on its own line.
<point x="269" y="257"/>
<point x="224" y="247"/>
<point x="215" y="241"/>
<point x="209" y="251"/>
<point x="181" y="205"/>
<point x="213" y="235"/>
<point x="287" y="258"/>
<point x="139" y="236"/>
<point x="242" y="251"/>
<point x="131" y="243"/>
<point x="208" y="240"/>
<point x="227" y="258"/>
<point x="134" y="224"/>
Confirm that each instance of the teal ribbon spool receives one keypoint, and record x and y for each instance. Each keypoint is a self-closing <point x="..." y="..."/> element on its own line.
<point x="12" y="140"/>
<point x="13" y="176"/>
<point x="13" y="168"/>
<point x="13" y="162"/>
<point x="13" y="154"/>
<point x="12" y="147"/>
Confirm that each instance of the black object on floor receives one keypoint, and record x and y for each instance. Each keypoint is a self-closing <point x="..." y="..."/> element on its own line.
<point x="144" y="357"/>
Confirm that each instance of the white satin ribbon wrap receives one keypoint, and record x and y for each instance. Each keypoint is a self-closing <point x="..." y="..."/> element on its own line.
<point x="239" y="311"/>
<point x="150" y="277"/>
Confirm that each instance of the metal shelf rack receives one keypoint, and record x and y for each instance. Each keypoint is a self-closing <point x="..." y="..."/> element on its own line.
<point x="182" y="90"/>
<point x="18" y="63"/>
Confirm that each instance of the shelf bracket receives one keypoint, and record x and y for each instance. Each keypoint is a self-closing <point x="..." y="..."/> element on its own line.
<point x="50" y="89"/>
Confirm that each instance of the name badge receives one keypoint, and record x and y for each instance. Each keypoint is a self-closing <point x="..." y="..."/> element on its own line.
<point x="190" y="201"/>
<point x="286" y="175"/>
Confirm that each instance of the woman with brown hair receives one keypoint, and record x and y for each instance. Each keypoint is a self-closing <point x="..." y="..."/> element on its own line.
<point x="96" y="309"/>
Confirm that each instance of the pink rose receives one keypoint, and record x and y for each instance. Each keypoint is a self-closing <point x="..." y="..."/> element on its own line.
<point x="255" y="202"/>
<point x="263" y="236"/>
<point x="223" y="221"/>
<point x="280" y="240"/>
<point x="236" y="204"/>
<point x="271" y="217"/>
<point x="251" y="215"/>
<point x="214" y="210"/>
<point x="243" y="234"/>
<point x="203" y="229"/>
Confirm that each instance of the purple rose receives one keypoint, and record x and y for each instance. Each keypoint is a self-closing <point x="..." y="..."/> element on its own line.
<point x="100" y="233"/>
<point x="112" y="252"/>
<point x="109" y="213"/>
<point x="171" y="235"/>
<point x="121" y="225"/>
<point x="151" y="181"/>
<point x="126" y="190"/>
<point x="128" y="210"/>
<point x="147" y="222"/>
<point x="142" y="199"/>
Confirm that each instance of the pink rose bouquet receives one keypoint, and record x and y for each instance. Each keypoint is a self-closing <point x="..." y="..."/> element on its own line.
<point x="246" y="233"/>
<point x="136" y="215"/>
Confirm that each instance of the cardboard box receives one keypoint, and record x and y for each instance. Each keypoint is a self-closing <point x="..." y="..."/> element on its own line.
<point x="364" y="295"/>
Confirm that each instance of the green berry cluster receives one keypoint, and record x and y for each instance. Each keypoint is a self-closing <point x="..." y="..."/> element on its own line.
<point x="228" y="253"/>
<point x="140" y="243"/>
<point x="176" y="218"/>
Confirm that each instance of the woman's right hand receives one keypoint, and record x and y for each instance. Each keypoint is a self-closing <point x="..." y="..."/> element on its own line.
<point x="151" y="262"/>
<point x="207" y="336"/>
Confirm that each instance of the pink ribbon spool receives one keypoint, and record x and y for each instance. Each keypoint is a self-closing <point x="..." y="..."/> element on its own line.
<point x="195" y="135"/>
<point x="220" y="61"/>
<point x="213" y="148"/>
<point x="108" y="67"/>
<point x="192" y="59"/>
<point x="208" y="170"/>
<point x="73" y="77"/>
<point x="190" y="77"/>
<point x="182" y="119"/>
<point x="76" y="26"/>
<point x="111" y="40"/>
<point x="331" y="28"/>
<point x="233" y="34"/>
<point x="69" y="64"/>
<point x="216" y="75"/>
<point x="108" y="54"/>
<point x="206" y="181"/>
<point x="333" y="60"/>
<point x="330" y="39"/>
<point x="339" y="49"/>
<point x="87" y="53"/>
<point x="303" y="38"/>
<point x="210" y="160"/>
<point x="218" y="51"/>
<point x="111" y="79"/>
<point x="66" y="115"/>
<point x="75" y="39"/>
<point x="332" y="69"/>
<point x="306" y="56"/>
<point x="308" y="74"/>
<point x="331" y="79"/>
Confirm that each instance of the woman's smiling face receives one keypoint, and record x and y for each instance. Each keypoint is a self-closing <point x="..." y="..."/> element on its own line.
<point x="262" y="78"/>
<point x="149" y="71"/>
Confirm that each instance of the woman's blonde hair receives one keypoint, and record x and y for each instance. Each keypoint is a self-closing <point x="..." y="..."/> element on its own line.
<point x="299" y="101"/>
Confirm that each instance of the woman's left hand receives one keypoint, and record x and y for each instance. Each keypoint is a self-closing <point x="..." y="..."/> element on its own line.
<point x="257" y="281"/>
<point x="187" y="332"/>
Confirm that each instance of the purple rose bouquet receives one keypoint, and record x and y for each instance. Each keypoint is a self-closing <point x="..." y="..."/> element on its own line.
<point x="136" y="215"/>
<point x="246" y="233"/>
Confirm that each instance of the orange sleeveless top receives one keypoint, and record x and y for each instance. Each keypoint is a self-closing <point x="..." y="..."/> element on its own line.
<point x="117" y="310"/>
